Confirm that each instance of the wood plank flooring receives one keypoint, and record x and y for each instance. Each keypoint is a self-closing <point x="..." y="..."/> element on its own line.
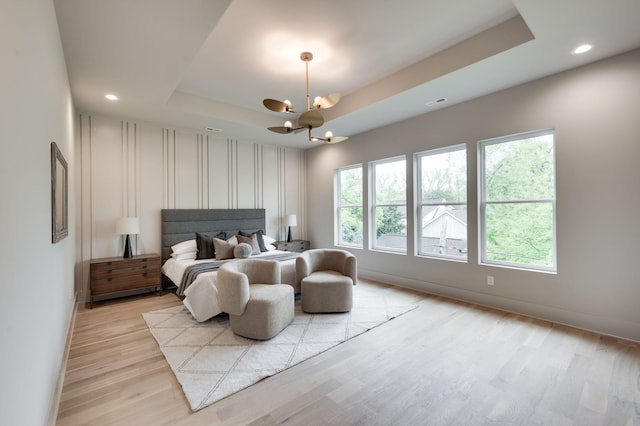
<point x="445" y="363"/>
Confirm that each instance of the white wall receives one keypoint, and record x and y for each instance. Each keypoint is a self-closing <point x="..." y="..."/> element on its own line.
<point x="595" y="112"/>
<point x="37" y="276"/>
<point x="134" y="168"/>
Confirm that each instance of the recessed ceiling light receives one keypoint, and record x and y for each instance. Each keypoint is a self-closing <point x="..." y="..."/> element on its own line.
<point x="212" y="129"/>
<point x="582" y="48"/>
<point x="111" y="97"/>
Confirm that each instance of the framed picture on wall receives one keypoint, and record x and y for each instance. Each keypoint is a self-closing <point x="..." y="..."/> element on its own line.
<point x="59" y="197"/>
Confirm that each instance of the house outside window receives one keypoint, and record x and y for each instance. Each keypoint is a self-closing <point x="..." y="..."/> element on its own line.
<point x="441" y="189"/>
<point x="518" y="201"/>
<point x="389" y="204"/>
<point x="349" y="228"/>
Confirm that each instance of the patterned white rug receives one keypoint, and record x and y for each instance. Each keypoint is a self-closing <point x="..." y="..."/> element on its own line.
<point x="211" y="362"/>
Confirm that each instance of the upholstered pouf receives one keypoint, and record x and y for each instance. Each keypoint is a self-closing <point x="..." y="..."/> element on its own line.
<point x="269" y="310"/>
<point x="242" y="251"/>
<point x="326" y="291"/>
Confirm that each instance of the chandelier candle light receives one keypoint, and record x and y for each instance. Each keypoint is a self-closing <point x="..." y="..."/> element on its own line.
<point x="291" y="221"/>
<point x="311" y="118"/>
<point x="127" y="226"/>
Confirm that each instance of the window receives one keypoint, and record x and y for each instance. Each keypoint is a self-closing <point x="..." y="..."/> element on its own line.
<point x="389" y="204"/>
<point x="517" y="201"/>
<point x="441" y="225"/>
<point x="349" y="225"/>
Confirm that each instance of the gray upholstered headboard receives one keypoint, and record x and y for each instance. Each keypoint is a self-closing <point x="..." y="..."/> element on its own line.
<point x="182" y="224"/>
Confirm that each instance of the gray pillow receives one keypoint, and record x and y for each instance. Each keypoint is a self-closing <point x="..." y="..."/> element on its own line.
<point x="259" y="233"/>
<point x="204" y="243"/>
<point x="252" y="241"/>
<point x="224" y="249"/>
<point x="242" y="251"/>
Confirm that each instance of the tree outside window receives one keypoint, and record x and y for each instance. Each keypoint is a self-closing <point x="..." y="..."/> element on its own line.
<point x="349" y="214"/>
<point x="441" y="227"/>
<point x="517" y="201"/>
<point x="389" y="207"/>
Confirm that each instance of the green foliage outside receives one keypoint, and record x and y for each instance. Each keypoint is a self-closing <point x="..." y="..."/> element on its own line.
<point x="391" y="188"/>
<point x="444" y="176"/>
<point x="351" y="218"/>
<point x="520" y="170"/>
<point x="389" y="221"/>
<point x="443" y="184"/>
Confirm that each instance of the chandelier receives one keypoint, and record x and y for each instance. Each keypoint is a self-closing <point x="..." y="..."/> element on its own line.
<point x="311" y="118"/>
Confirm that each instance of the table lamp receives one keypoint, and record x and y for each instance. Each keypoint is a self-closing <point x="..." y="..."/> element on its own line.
<point x="291" y="221"/>
<point x="127" y="226"/>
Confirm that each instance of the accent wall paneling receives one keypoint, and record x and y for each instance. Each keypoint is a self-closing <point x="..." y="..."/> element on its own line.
<point x="138" y="168"/>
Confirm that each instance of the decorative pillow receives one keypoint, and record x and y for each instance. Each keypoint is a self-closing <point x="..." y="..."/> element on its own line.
<point x="252" y="241"/>
<point x="242" y="250"/>
<point x="204" y="243"/>
<point x="185" y="256"/>
<point x="184" y="247"/>
<point x="259" y="233"/>
<point x="270" y="247"/>
<point x="268" y="240"/>
<point x="224" y="249"/>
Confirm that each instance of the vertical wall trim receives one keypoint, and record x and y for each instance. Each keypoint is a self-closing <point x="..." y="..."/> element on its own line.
<point x="236" y="184"/>
<point x="281" y="187"/>
<point x="79" y="281"/>
<point x="302" y="201"/>
<point x="232" y="158"/>
<point x="125" y="170"/>
<point x="90" y="194"/>
<point x="170" y="167"/>
<point x="92" y="183"/>
<point x="137" y="191"/>
<point x="165" y="169"/>
<point x="199" y="169"/>
<point x="206" y="159"/>
<point x="202" y="151"/>
<point x="229" y="177"/>
<point x="175" y="170"/>
<point x="86" y="196"/>
<point x="258" y="176"/>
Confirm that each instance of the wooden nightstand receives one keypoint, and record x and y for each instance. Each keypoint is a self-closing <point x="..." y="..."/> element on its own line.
<point x="116" y="276"/>
<point x="295" y="245"/>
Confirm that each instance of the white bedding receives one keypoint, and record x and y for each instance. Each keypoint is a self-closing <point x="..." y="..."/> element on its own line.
<point x="201" y="297"/>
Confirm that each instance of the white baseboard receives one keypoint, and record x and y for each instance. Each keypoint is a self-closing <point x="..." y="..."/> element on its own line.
<point x="54" y="402"/>
<point x="602" y="325"/>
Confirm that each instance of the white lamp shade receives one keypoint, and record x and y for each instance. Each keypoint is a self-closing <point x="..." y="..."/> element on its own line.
<point x="292" y="220"/>
<point x="128" y="225"/>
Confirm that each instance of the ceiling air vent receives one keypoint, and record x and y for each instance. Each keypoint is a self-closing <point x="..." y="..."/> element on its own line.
<point x="436" y="102"/>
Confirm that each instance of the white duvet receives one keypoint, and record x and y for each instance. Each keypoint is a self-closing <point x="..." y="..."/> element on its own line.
<point x="201" y="297"/>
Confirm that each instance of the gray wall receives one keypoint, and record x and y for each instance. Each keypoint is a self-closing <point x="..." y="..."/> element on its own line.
<point x="595" y="112"/>
<point x="36" y="281"/>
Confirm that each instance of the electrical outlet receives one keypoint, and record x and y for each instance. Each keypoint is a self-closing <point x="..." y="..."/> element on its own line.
<point x="490" y="280"/>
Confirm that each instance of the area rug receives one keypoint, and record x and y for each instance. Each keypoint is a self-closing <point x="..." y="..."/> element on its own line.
<point x="211" y="362"/>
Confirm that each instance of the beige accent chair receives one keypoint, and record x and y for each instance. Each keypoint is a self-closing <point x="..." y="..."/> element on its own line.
<point x="259" y="306"/>
<point x="326" y="278"/>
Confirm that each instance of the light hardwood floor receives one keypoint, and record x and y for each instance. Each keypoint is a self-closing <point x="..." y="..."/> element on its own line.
<point x="445" y="363"/>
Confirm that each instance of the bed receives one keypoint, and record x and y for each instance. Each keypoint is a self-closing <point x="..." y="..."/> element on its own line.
<point x="195" y="279"/>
